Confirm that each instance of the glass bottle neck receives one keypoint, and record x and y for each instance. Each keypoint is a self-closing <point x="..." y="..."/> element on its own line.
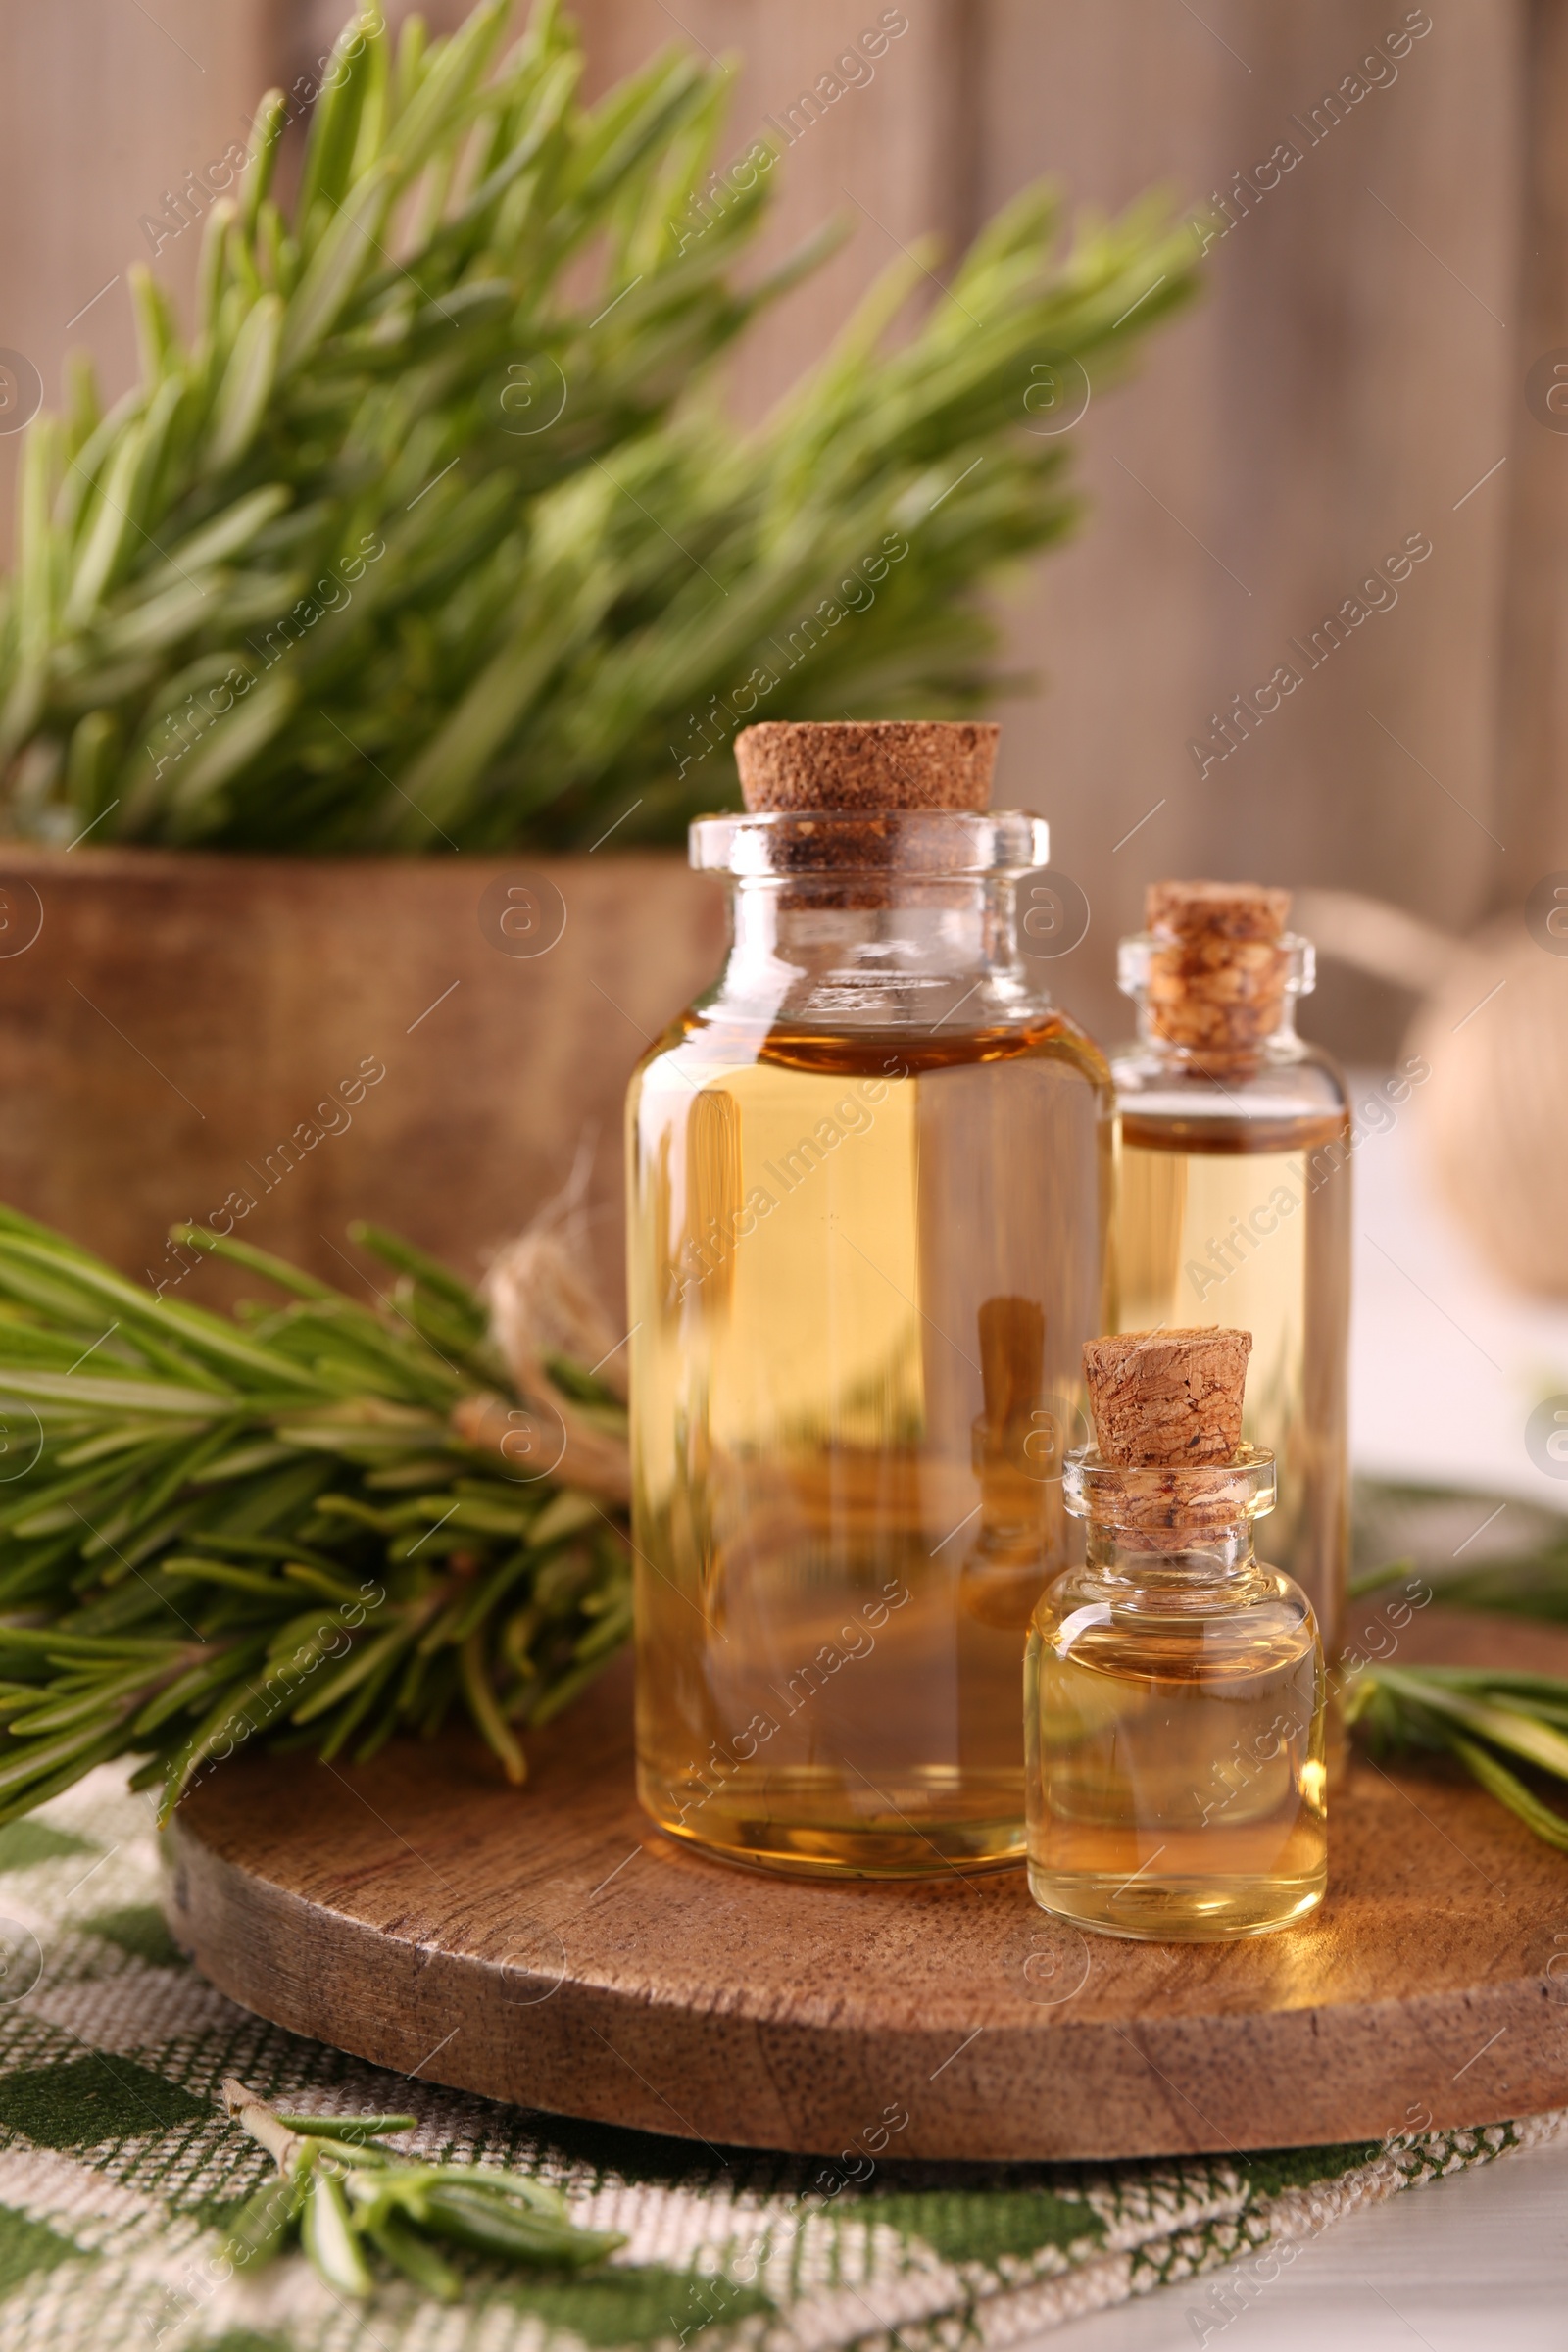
<point x="1173" y="1527"/>
<point x="1209" y="1003"/>
<point x="876" y="919"/>
<point x="1217" y="1560"/>
<point x="908" y="955"/>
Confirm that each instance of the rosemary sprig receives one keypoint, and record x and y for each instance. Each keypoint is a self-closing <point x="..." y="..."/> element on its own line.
<point x="434" y="531"/>
<point x="346" y="2198"/>
<point x="278" y="1526"/>
<point x="1465" y="1550"/>
<point x="1480" y="1715"/>
<point x="1476" y="1550"/>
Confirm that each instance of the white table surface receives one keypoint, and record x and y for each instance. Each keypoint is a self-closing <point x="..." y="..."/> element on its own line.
<point x="1475" y="2264"/>
<point x="1446" y="1366"/>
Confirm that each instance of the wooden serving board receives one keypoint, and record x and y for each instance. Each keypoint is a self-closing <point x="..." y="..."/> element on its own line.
<point x="550" y="1947"/>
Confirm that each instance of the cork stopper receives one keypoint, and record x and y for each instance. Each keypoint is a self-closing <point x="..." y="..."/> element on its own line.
<point x="1217" y="982"/>
<point x="794" y="766"/>
<point x="1216" y="909"/>
<point x="1164" y="1399"/>
<point x="1167" y="1409"/>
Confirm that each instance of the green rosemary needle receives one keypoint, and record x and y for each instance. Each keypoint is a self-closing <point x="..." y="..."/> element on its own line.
<point x="433" y="529"/>
<point x="346" y="2196"/>
<point x="278" y="1526"/>
<point x="1481" y="1715"/>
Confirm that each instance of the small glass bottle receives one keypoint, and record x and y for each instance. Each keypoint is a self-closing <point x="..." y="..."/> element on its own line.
<point x="1234" y="1200"/>
<point x="1174" y="1685"/>
<point x="869" y="1200"/>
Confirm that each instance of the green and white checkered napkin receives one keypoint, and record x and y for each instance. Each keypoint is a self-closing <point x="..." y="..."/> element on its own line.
<point x="115" y="2169"/>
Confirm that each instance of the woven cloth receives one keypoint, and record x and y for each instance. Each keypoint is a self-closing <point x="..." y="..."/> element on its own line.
<point x="116" y="2167"/>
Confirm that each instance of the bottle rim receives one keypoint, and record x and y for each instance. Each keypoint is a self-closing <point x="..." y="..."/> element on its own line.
<point x="1246" y="1486"/>
<point x="935" y="843"/>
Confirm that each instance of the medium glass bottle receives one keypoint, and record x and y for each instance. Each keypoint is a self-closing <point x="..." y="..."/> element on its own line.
<point x="1174" y="1707"/>
<point x="869" y="1183"/>
<point x="1233" y="1201"/>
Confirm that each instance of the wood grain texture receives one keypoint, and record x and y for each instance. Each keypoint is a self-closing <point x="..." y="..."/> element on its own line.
<point x="891" y="158"/>
<point x="551" y="1947"/>
<point x="1351" y="374"/>
<point x="1346" y="380"/>
<point x="180" y="1019"/>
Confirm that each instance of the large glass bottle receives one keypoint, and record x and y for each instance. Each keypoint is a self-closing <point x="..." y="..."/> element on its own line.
<point x="1233" y="1201"/>
<point x="870" y="1181"/>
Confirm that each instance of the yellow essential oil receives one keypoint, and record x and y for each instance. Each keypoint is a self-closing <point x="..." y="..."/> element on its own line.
<point x="869" y="1205"/>
<point x="1233" y="1201"/>
<point x="1247" y="1220"/>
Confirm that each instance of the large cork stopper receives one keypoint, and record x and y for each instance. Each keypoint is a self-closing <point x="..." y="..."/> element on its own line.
<point x="803" y="766"/>
<point x="1217" y="978"/>
<point x="1167" y="1409"/>
<point x="1164" y="1399"/>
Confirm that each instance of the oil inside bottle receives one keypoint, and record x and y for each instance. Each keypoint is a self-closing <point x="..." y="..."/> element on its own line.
<point x="1234" y="1202"/>
<point x="863" y="1266"/>
<point x="1244" y="1220"/>
<point x="1175" y="1730"/>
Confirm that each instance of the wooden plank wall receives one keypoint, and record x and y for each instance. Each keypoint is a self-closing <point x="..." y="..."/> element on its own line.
<point x="104" y="107"/>
<point x="1352" y="379"/>
<point x="1349" y="380"/>
<point x="1347" y="383"/>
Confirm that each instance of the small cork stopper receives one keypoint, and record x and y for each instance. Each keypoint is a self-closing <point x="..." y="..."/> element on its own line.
<point x="1165" y="1399"/>
<point x="1167" y="1408"/>
<point x="1216" y="979"/>
<point x="791" y="765"/>
<point x="1216" y="909"/>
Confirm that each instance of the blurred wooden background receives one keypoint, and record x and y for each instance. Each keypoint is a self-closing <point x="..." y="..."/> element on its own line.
<point x="1356" y="375"/>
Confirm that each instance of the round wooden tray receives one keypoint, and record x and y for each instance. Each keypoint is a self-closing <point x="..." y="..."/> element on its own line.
<point x="550" y="1947"/>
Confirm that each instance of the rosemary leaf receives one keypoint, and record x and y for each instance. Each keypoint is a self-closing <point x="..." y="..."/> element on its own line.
<point x="1471" y="1713"/>
<point x="1510" y="1790"/>
<point x="439" y="496"/>
<point x="346" y="2205"/>
<point x="184" y="1581"/>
